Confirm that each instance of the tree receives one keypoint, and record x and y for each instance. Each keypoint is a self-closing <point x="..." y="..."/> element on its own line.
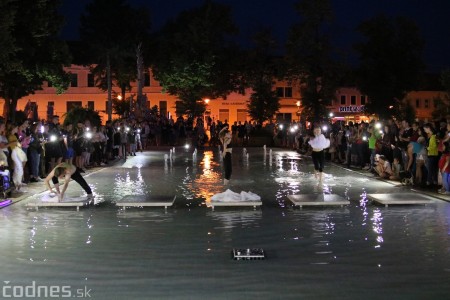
<point x="195" y="58"/>
<point x="80" y="114"/>
<point x="406" y="111"/>
<point x="35" y="53"/>
<point x="390" y="62"/>
<point x="121" y="107"/>
<point x="111" y="30"/>
<point x="309" y="59"/>
<point x="260" y="71"/>
<point x="442" y="103"/>
<point x="445" y="80"/>
<point x="8" y="46"/>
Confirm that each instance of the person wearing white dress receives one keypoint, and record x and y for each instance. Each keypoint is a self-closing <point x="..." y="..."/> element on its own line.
<point x="318" y="143"/>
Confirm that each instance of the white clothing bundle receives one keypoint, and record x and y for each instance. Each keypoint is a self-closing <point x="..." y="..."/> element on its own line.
<point x="230" y="196"/>
<point x="319" y="142"/>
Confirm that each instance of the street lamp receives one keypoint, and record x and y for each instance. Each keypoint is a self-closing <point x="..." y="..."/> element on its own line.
<point x="119" y="97"/>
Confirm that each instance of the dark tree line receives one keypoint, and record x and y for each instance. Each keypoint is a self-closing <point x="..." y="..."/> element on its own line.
<point x="196" y="56"/>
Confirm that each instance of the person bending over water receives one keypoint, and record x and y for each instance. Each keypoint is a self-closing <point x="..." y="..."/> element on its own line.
<point x="318" y="143"/>
<point x="66" y="171"/>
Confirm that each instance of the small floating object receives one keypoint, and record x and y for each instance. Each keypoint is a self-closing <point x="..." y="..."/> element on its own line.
<point x="248" y="254"/>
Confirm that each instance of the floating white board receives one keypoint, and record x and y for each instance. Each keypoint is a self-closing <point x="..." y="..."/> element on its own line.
<point x="317" y="200"/>
<point x="401" y="198"/>
<point x="69" y="202"/>
<point x="146" y="201"/>
<point x="213" y="204"/>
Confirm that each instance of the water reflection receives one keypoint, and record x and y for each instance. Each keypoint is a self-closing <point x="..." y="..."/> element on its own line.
<point x="377" y="226"/>
<point x="235" y="219"/>
<point x="126" y="185"/>
<point x="203" y="183"/>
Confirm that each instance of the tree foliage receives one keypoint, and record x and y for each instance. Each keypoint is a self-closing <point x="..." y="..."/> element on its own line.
<point x="121" y="107"/>
<point x="445" y="80"/>
<point x="442" y="103"/>
<point x="390" y="62"/>
<point x="195" y="58"/>
<point x="8" y="47"/>
<point x="80" y="114"/>
<point x="33" y="53"/>
<point x="309" y="57"/>
<point x="110" y="31"/>
<point x="259" y="73"/>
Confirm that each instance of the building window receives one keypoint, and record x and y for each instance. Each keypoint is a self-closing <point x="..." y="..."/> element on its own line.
<point x="146" y="79"/>
<point x="417" y="103"/>
<point x="224" y="115"/>
<point x="288" y="92"/>
<point x="90" y="105"/>
<point x="363" y="100"/>
<point x="284" y="118"/>
<point x="427" y="104"/>
<point x="163" y="108"/>
<point x="284" y="92"/>
<point x="280" y="92"/>
<point x="179" y="108"/>
<point x="435" y="103"/>
<point x="353" y="100"/>
<point x="72" y="104"/>
<point x="49" y="84"/>
<point x="50" y="109"/>
<point x="91" y="80"/>
<point x="73" y="80"/>
<point x="241" y="115"/>
<point x="343" y="100"/>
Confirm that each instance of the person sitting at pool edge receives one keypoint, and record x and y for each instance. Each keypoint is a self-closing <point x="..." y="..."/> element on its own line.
<point x="66" y="171"/>
<point x="383" y="168"/>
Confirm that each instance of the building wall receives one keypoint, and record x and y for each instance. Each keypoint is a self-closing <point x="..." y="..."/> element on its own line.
<point x="425" y="102"/>
<point x="347" y="106"/>
<point x="233" y="108"/>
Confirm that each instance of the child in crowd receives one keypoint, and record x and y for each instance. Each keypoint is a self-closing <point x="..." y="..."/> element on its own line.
<point x="396" y="169"/>
<point x="383" y="167"/>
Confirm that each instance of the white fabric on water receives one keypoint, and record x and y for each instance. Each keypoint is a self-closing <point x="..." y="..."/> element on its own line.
<point x="319" y="142"/>
<point x="49" y="198"/>
<point x="230" y="196"/>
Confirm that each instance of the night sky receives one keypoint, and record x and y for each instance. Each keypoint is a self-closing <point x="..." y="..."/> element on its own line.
<point x="432" y="17"/>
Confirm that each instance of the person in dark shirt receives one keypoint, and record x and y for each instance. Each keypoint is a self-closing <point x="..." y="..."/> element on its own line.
<point x="227" y="150"/>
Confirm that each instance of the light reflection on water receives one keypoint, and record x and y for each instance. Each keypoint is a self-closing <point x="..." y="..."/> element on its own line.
<point x="121" y="253"/>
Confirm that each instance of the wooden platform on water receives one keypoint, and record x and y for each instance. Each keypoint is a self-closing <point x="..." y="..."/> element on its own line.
<point x="254" y="204"/>
<point x="146" y="201"/>
<point x="73" y="202"/>
<point x="318" y="200"/>
<point x="401" y="199"/>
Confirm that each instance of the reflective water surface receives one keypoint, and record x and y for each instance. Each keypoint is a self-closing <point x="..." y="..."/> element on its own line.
<point x="362" y="251"/>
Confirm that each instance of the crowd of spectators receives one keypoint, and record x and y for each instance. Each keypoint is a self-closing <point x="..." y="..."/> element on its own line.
<point x="395" y="150"/>
<point x="414" y="153"/>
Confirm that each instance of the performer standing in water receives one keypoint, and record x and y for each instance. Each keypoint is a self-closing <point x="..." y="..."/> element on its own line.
<point x="66" y="171"/>
<point x="225" y="138"/>
<point x="318" y="144"/>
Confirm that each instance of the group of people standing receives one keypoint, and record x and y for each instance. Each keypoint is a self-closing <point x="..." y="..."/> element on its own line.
<point x="395" y="150"/>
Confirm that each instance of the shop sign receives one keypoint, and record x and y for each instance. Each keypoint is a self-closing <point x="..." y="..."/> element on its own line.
<point x="233" y="103"/>
<point x="351" y="109"/>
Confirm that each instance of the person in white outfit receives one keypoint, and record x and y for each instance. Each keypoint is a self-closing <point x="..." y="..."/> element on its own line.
<point x="318" y="143"/>
<point x="17" y="155"/>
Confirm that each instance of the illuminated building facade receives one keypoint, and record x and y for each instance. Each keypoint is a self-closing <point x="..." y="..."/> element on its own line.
<point x="347" y="106"/>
